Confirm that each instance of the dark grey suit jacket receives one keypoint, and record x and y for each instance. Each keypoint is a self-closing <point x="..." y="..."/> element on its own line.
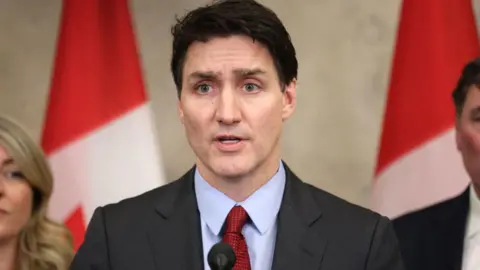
<point x="432" y="238"/>
<point x="161" y="230"/>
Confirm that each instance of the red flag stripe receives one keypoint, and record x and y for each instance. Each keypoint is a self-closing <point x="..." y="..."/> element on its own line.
<point x="76" y="224"/>
<point x="435" y="39"/>
<point x="91" y="85"/>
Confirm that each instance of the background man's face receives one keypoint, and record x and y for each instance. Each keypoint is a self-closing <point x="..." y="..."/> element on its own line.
<point x="468" y="134"/>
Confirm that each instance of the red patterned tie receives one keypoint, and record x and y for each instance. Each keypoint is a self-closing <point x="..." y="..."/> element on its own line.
<point x="234" y="237"/>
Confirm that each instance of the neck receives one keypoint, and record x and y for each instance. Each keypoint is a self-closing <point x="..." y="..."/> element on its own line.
<point x="8" y="254"/>
<point x="241" y="187"/>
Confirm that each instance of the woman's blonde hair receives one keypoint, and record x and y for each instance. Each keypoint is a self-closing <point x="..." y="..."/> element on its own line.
<point x="43" y="243"/>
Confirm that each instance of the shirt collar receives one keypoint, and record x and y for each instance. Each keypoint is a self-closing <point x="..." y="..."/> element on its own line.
<point x="262" y="206"/>
<point x="474" y="214"/>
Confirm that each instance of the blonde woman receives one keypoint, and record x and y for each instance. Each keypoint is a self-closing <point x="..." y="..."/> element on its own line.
<point x="28" y="238"/>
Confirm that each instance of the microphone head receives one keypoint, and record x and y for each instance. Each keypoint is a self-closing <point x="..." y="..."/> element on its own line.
<point x="221" y="256"/>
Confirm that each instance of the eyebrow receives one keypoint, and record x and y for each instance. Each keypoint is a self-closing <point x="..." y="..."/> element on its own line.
<point x="249" y="72"/>
<point x="8" y="161"/>
<point x="210" y="75"/>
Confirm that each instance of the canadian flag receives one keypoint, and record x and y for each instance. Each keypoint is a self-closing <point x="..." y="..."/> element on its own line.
<point x="98" y="133"/>
<point x="418" y="163"/>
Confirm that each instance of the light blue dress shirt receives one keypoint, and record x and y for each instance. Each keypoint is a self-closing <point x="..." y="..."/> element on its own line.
<point x="262" y="207"/>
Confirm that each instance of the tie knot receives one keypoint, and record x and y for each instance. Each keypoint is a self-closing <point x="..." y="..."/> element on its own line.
<point x="236" y="219"/>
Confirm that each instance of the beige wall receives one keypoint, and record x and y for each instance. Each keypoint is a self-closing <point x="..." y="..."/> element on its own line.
<point x="344" y="49"/>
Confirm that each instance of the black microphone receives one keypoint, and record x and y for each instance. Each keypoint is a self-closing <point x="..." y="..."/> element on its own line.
<point x="221" y="257"/>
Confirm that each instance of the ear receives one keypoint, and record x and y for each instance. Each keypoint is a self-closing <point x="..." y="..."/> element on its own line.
<point x="289" y="99"/>
<point x="180" y="110"/>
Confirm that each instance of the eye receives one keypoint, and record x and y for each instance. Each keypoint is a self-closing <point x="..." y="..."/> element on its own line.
<point x="14" y="175"/>
<point x="250" y="87"/>
<point x="204" y="88"/>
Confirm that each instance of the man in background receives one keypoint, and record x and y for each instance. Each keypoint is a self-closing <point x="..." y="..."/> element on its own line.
<point x="235" y="69"/>
<point x="447" y="235"/>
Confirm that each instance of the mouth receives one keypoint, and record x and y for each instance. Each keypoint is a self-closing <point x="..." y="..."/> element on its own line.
<point x="228" y="139"/>
<point x="228" y="143"/>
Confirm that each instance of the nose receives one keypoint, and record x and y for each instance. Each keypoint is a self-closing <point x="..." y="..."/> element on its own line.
<point x="228" y="111"/>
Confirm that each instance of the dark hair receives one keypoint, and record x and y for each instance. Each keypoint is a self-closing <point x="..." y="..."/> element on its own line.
<point x="234" y="17"/>
<point x="470" y="76"/>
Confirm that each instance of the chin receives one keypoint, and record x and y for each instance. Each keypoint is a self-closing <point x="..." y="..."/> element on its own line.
<point x="231" y="168"/>
<point x="6" y="235"/>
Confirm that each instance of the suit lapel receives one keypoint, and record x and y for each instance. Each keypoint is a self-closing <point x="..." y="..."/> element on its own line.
<point x="445" y="244"/>
<point x="175" y="233"/>
<point x="300" y="241"/>
<point x="456" y="233"/>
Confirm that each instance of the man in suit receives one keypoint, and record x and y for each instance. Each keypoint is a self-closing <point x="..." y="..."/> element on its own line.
<point x="235" y="70"/>
<point x="447" y="235"/>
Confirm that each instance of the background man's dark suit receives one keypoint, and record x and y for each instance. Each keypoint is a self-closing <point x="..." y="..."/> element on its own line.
<point x="432" y="238"/>
<point x="161" y="230"/>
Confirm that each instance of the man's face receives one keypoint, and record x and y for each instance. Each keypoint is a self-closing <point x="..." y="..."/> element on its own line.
<point x="468" y="134"/>
<point x="232" y="106"/>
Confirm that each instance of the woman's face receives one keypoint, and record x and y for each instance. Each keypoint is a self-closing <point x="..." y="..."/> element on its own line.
<point x="15" y="198"/>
